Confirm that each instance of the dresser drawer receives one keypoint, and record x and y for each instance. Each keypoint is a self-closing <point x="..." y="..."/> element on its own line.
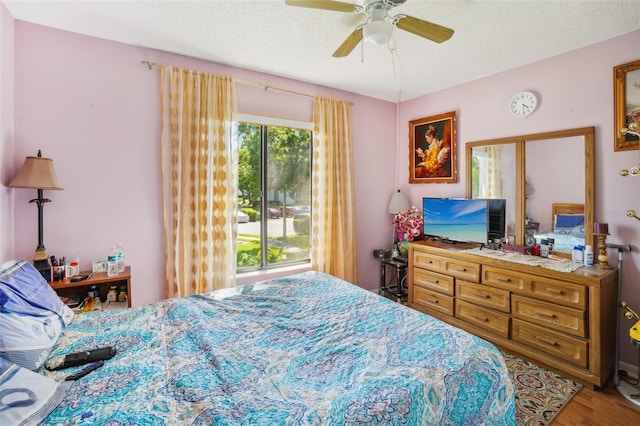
<point x="429" y="261"/>
<point x="571" y="349"/>
<point x="479" y="294"/>
<point x="468" y="271"/>
<point x="567" y="294"/>
<point x="433" y="281"/>
<point x="507" y="280"/>
<point x="433" y="300"/>
<point x="543" y="313"/>
<point x="493" y="321"/>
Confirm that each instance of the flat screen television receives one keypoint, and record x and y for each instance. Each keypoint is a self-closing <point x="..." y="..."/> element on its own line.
<point x="497" y="218"/>
<point x="456" y="219"/>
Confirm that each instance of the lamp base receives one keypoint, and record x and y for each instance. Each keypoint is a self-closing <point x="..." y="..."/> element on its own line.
<point x="42" y="263"/>
<point x="41" y="254"/>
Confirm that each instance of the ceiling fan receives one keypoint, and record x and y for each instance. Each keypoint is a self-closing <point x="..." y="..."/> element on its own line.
<point x="379" y="24"/>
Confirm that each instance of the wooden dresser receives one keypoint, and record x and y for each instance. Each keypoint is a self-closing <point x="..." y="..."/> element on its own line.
<point x="564" y="321"/>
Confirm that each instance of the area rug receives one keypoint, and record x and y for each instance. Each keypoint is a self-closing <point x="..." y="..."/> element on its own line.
<point x="540" y="394"/>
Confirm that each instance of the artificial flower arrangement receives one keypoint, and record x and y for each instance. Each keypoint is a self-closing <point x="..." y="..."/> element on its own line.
<point x="409" y="224"/>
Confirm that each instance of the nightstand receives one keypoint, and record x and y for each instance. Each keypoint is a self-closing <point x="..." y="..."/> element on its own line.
<point x="392" y="285"/>
<point x="67" y="287"/>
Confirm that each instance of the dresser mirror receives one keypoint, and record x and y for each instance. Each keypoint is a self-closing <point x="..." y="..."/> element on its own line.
<point x="546" y="178"/>
<point x="493" y="169"/>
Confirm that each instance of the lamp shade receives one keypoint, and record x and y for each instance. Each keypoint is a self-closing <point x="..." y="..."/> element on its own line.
<point x="378" y="32"/>
<point x="36" y="173"/>
<point x="398" y="202"/>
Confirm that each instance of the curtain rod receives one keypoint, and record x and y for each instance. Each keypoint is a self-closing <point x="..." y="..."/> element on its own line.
<point x="255" y="83"/>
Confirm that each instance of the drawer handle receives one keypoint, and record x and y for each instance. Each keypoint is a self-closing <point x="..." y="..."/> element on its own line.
<point x="433" y="280"/>
<point x="547" y="341"/>
<point x="482" y="294"/>
<point x="480" y="317"/>
<point x="545" y="314"/>
<point x="432" y="300"/>
<point x="459" y="269"/>
<point x="555" y="290"/>
<point x="504" y="280"/>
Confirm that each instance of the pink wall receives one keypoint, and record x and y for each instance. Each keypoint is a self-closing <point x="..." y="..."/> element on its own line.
<point x="92" y="106"/>
<point x="6" y="133"/>
<point x="575" y="90"/>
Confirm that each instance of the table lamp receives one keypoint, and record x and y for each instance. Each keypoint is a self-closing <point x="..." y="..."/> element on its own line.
<point x="38" y="173"/>
<point x="397" y="203"/>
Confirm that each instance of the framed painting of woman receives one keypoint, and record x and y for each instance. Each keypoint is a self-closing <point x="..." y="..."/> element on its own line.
<point x="626" y="100"/>
<point x="432" y="149"/>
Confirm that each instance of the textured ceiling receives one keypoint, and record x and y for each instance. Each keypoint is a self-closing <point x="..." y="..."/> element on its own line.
<point x="268" y="36"/>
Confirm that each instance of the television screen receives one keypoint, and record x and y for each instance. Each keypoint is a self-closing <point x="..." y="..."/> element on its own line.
<point x="497" y="218"/>
<point x="457" y="219"/>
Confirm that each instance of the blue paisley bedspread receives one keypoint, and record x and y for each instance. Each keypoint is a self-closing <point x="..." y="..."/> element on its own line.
<point x="308" y="349"/>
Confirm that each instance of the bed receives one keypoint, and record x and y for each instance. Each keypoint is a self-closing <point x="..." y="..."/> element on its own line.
<point x="308" y="349"/>
<point x="567" y="227"/>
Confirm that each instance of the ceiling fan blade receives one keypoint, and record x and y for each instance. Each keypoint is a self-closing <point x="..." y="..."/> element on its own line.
<point x="429" y="30"/>
<point x="337" y="6"/>
<point x="349" y="44"/>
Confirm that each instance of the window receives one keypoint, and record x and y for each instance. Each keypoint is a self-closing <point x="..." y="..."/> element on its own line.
<point x="274" y="193"/>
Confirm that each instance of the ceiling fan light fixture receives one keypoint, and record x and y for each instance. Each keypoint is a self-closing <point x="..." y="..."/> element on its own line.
<point x="378" y="32"/>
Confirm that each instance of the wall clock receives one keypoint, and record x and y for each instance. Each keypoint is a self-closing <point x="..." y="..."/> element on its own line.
<point x="523" y="104"/>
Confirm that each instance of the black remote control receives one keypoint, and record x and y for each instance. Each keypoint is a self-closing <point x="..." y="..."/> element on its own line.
<point x="88" y="369"/>
<point x="77" y="278"/>
<point x="81" y="358"/>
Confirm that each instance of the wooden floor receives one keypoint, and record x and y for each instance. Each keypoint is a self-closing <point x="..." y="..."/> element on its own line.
<point x="605" y="407"/>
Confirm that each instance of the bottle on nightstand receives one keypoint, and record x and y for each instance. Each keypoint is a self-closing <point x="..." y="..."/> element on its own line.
<point x="112" y="266"/>
<point x="119" y="252"/>
<point x="111" y="295"/>
<point x="122" y="294"/>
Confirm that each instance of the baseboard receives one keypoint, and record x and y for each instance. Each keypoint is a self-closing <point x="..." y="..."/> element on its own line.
<point x="631" y="370"/>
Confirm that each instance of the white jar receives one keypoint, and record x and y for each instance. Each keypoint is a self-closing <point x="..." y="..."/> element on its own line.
<point x="112" y="295"/>
<point x="578" y="255"/>
<point x="588" y="256"/>
<point x="112" y="266"/>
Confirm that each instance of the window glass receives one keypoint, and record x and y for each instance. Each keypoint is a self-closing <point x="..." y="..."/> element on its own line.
<point x="274" y="195"/>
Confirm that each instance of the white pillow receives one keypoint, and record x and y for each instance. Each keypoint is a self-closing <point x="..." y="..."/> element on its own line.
<point x="27" y="397"/>
<point x="32" y="316"/>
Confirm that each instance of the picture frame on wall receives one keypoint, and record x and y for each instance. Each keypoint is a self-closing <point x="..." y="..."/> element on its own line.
<point x="432" y="149"/>
<point x="626" y="100"/>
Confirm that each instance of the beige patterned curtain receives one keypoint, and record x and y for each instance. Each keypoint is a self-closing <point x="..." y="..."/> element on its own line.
<point x="494" y="176"/>
<point x="333" y="245"/>
<point x="198" y="181"/>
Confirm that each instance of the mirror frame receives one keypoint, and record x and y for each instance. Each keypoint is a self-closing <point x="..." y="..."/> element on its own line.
<point x="588" y="133"/>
